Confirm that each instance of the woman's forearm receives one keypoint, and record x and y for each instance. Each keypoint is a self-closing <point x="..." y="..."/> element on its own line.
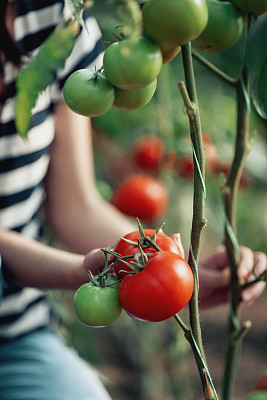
<point x="29" y="263"/>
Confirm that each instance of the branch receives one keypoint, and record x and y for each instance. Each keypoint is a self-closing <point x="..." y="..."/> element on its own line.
<point x="230" y="192"/>
<point x="215" y="70"/>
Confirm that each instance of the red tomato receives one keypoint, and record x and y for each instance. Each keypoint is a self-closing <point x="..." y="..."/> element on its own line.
<point x="142" y="196"/>
<point x="124" y="248"/>
<point x="185" y="167"/>
<point x="160" y="290"/>
<point x="148" y="153"/>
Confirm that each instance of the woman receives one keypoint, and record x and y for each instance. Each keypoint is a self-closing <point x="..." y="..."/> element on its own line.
<point x="50" y="178"/>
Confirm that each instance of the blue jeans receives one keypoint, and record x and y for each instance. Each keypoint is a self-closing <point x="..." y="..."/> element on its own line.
<point x="39" y="366"/>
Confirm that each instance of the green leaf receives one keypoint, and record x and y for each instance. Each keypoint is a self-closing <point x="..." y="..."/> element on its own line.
<point x="262" y="395"/>
<point x="259" y="87"/>
<point x="40" y="73"/>
<point x="256" y="63"/>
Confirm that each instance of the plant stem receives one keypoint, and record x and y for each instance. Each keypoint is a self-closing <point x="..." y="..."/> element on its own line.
<point x="189" y="95"/>
<point x="217" y="71"/>
<point x="230" y="192"/>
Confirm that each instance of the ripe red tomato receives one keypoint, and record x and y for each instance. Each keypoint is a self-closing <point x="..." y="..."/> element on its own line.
<point x="124" y="248"/>
<point x="148" y="153"/>
<point x="160" y="290"/>
<point x="142" y="196"/>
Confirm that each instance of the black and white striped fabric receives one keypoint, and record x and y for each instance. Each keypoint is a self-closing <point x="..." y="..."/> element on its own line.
<point x="24" y="163"/>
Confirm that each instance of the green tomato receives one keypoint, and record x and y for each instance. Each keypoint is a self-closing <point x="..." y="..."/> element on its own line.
<point x="97" y="306"/>
<point x="127" y="100"/>
<point x="255" y="7"/>
<point x="174" y="22"/>
<point x="132" y="63"/>
<point x="224" y="28"/>
<point x="88" y="93"/>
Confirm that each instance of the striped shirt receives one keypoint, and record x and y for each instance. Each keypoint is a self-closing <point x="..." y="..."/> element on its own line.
<point x="24" y="163"/>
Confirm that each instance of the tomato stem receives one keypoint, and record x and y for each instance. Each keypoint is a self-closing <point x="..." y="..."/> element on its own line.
<point x="230" y="192"/>
<point x="189" y="95"/>
<point x="215" y="70"/>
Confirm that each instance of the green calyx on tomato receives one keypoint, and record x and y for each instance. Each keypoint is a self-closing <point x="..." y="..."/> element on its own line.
<point x="224" y="28"/>
<point x="97" y="304"/>
<point x="174" y="22"/>
<point x="160" y="290"/>
<point x="149" y="240"/>
<point x="88" y="93"/>
<point x="132" y="63"/>
<point x="254" y="7"/>
<point x="127" y="100"/>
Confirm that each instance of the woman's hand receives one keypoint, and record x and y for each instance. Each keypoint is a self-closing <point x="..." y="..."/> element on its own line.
<point x="214" y="277"/>
<point x="95" y="260"/>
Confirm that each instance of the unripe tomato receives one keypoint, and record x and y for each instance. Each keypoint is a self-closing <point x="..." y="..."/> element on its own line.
<point x="224" y="28"/>
<point x="88" y="93"/>
<point x="127" y="100"/>
<point x="174" y="22"/>
<point x="97" y="306"/>
<point x="132" y="63"/>
<point x="255" y="7"/>
<point x="142" y="196"/>
<point x="160" y="290"/>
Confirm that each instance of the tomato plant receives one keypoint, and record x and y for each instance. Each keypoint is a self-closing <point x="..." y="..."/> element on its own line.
<point x="160" y="290"/>
<point x="224" y="28"/>
<point x="96" y="305"/>
<point x="125" y="248"/>
<point x="142" y="196"/>
<point x="148" y="153"/>
<point x="174" y="22"/>
<point x="88" y="93"/>
<point x="127" y="100"/>
<point x="132" y="63"/>
<point x="251" y="6"/>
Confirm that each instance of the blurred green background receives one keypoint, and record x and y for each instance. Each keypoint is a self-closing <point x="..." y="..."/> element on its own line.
<point x="150" y="361"/>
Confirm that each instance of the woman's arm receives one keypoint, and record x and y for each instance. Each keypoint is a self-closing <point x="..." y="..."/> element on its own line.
<point x="29" y="263"/>
<point x="78" y="216"/>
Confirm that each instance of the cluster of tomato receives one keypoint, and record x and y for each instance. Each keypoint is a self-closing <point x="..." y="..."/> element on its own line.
<point x="131" y="66"/>
<point x="151" y="281"/>
<point x="141" y="192"/>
